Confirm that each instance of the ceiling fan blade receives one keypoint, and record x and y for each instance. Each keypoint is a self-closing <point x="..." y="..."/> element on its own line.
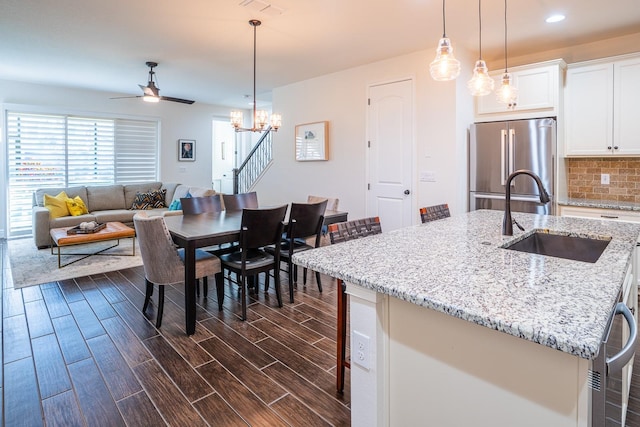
<point x="124" y="97"/>
<point x="183" y="101"/>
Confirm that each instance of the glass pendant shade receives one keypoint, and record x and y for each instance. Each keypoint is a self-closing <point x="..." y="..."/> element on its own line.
<point x="481" y="83"/>
<point x="236" y="119"/>
<point x="276" y="121"/>
<point x="445" y="66"/>
<point x="507" y="93"/>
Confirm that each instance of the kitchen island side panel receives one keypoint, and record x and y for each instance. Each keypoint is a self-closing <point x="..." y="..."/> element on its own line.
<point x="445" y="371"/>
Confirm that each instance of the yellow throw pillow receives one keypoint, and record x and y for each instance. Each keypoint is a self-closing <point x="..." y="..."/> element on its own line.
<point x="76" y="206"/>
<point x="57" y="205"/>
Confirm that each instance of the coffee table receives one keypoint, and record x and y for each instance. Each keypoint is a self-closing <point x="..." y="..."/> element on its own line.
<point x="112" y="231"/>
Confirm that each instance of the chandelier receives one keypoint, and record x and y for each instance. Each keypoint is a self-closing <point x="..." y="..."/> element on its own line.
<point x="260" y="117"/>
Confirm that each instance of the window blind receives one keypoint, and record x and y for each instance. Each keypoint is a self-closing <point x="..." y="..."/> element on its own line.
<point x="49" y="150"/>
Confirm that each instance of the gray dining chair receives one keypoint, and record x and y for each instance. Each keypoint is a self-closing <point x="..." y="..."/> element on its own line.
<point x="163" y="263"/>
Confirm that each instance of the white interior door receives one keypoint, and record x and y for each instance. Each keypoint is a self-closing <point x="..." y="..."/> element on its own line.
<point x="390" y="139"/>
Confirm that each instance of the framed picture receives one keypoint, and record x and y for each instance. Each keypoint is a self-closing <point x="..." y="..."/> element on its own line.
<point x="312" y="142"/>
<point x="187" y="150"/>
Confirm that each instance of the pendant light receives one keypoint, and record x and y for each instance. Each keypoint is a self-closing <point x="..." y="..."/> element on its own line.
<point x="481" y="83"/>
<point x="507" y="93"/>
<point x="445" y="66"/>
<point x="260" y="117"/>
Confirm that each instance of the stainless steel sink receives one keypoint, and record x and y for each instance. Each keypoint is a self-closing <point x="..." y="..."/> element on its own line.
<point x="561" y="246"/>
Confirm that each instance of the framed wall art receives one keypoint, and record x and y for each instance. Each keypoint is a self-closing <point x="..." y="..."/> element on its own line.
<point x="186" y="150"/>
<point x="312" y="141"/>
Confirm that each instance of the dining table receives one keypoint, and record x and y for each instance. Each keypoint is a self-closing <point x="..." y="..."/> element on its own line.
<point x="213" y="228"/>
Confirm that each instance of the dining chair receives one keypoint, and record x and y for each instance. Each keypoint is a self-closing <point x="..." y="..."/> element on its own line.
<point x="305" y="221"/>
<point x="342" y="232"/>
<point x="237" y="202"/>
<point x="196" y="206"/>
<point x="332" y="205"/>
<point x="163" y="264"/>
<point x="259" y="228"/>
<point x="432" y="213"/>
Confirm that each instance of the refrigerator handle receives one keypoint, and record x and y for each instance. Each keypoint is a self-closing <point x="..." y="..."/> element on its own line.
<point x="504" y="173"/>
<point x="512" y="153"/>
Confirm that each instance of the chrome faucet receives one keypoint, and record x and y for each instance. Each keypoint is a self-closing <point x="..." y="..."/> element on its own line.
<point x="507" y="221"/>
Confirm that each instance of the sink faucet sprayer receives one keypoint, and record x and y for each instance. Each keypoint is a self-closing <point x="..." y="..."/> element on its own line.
<point x="507" y="221"/>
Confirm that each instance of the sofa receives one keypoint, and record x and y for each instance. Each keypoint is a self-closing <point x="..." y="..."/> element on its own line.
<point x="106" y="203"/>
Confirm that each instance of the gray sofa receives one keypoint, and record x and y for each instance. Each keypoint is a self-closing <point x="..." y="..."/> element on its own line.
<point x="105" y="203"/>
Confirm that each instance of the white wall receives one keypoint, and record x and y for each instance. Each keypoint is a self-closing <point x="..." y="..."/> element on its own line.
<point x="178" y="121"/>
<point x="443" y="111"/>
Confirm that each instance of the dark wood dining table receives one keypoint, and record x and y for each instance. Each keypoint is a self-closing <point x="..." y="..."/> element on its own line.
<point x="196" y="231"/>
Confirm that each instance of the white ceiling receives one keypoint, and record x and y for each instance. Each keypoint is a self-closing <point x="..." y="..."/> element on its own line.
<point x="205" y="47"/>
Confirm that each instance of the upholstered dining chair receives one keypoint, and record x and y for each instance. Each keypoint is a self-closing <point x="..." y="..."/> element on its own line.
<point x="305" y="220"/>
<point x="432" y="213"/>
<point x="196" y="206"/>
<point x="332" y="205"/>
<point x="259" y="228"/>
<point x="342" y="232"/>
<point x="237" y="202"/>
<point x="163" y="263"/>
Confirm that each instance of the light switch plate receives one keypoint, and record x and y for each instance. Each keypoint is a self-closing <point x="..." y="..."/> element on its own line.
<point x="604" y="179"/>
<point x="427" y="176"/>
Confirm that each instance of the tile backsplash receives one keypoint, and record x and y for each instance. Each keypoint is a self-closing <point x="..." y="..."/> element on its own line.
<point x="584" y="176"/>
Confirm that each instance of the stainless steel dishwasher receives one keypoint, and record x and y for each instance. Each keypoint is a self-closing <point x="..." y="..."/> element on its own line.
<point x="612" y="361"/>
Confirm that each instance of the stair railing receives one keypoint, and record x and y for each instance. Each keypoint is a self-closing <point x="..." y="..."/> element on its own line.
<point x="245" y="176"/>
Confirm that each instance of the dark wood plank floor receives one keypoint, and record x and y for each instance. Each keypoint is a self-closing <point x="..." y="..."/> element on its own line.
<point x="80" y="352"/>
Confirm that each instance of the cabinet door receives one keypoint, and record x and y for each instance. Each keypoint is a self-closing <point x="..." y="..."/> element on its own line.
<point x="626" y="125"/>
<point x="537" y="89"/>
<point x="589" y="110"/>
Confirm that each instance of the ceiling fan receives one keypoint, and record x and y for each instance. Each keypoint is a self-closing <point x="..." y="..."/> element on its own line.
<point x="151" y="92"/>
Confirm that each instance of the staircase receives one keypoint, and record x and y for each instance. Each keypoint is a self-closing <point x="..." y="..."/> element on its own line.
<point x="256" y="163"/>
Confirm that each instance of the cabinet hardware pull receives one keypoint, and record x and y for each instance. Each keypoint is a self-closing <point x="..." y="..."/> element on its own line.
<point x="615" y="147"/>
<point x="609" y="216"/>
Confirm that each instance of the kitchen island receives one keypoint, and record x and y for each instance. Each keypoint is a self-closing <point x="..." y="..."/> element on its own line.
<point x="456" y="329"/>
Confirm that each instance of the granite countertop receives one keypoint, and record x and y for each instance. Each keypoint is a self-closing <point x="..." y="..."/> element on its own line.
<point x="457" y="266"/>
<point x="602" y="204"/>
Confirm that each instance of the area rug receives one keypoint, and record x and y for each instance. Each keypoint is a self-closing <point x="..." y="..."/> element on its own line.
<point x="32" y="266"/>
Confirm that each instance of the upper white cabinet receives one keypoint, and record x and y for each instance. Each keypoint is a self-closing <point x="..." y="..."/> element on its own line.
<point x="602" y="99"/>
<point x="539" y="93"/>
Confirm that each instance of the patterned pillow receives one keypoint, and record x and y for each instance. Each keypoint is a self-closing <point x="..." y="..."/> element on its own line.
<point x="151" y="200"/>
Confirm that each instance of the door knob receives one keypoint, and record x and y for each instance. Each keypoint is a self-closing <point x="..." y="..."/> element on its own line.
<point x="407" y="192"/>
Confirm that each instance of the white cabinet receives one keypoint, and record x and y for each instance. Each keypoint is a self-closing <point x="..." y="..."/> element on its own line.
<point x="600" y="213"/>
<point x="601" y="103"/>
<point x="539" y="93"/>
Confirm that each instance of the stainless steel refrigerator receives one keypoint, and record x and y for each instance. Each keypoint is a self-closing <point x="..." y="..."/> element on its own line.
<point x="499" y="148"/>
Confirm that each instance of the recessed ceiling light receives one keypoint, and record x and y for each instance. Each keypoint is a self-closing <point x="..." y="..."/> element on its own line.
<point x="555" y="18"/>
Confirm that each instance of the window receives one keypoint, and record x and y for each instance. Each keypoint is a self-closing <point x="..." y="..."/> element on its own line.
<point x="48" y="150"/>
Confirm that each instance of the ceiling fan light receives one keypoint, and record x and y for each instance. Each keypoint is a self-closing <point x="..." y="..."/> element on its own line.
<point x="445" y="66"/>
<point x="150" y="98"/>
<point x="481" y="83"/>
<point x="507" y="93"/>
